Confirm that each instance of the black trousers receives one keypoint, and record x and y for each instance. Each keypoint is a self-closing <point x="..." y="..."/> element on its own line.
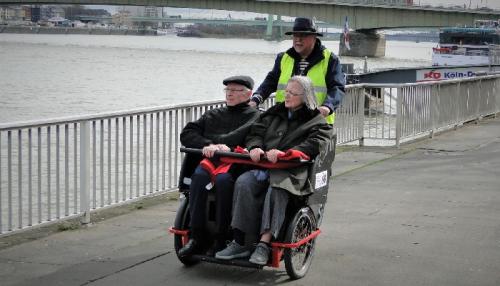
<point x="198" y="194"/>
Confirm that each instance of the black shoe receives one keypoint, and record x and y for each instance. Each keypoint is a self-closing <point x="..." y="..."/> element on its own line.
<point x="192" y="247"/>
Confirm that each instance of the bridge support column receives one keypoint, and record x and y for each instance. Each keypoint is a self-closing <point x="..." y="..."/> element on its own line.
<point x="269" y="30"/>
<point x="370" y="44"/>
<point x="279" y="37"/>
<point x="272" y="33"/>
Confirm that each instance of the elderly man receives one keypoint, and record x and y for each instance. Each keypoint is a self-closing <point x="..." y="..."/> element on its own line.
<point x="219" y="129"/>
<point x="307" y="57"/>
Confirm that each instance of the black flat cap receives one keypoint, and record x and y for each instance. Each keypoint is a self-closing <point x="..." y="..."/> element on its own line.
<point x="304" y="26"/>
<point x="240" y="79"/>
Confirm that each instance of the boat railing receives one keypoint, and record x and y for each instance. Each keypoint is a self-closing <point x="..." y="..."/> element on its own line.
<point x="66" y="168"/>
<point x="494" y="54"/>
<point x="462" y="51"/>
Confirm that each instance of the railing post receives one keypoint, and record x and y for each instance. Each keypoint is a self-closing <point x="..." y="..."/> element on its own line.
<point x="189" y="114"/>
<point x="496" y="85"/>
<point x="478" y="103"/>
<point x="85" y="171"/>
<point x="361" y="116"/>
<point x="399" y="111"/>
<point x="432" y="107"/>
<point x="459" y="92"/>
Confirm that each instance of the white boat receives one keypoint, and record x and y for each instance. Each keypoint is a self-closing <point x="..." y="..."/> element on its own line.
<point x="475" y="46"/>
<point x="163" y="32"/>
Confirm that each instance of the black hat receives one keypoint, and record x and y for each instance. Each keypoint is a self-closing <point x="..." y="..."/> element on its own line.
<point x="304" y="26"/>
<point x="240" y="79"/>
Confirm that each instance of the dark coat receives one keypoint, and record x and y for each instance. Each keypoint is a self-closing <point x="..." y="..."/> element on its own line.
<point x="225" y="125"/>
<point x="306" y="130"/>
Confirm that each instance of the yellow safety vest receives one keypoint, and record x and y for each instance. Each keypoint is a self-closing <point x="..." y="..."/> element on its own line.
<point x="317" y="75"/>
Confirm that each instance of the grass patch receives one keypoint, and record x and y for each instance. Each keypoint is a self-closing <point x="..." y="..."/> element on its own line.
<point x="68" y="225"/>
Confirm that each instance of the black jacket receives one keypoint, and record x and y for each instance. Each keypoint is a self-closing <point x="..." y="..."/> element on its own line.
<point x="306" y="131"/>
<point x="334" y="78"/>
<point x="225" y="125"/>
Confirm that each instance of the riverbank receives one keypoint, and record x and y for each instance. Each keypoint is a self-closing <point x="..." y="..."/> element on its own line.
<point x="199" y="31"/>
<point x="76" y="31"/>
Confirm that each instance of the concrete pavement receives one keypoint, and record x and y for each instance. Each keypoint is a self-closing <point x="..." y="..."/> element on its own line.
<point x="425" y="214"/>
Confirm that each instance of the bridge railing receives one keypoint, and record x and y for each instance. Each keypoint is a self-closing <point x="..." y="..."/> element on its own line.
<point x="65" y="168"/>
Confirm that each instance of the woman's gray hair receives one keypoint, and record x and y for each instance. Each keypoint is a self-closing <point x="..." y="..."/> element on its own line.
<point x="308" y="97"/>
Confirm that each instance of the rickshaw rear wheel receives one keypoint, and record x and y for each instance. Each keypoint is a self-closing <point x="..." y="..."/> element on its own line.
<point x="298" y="260"/>
<point x="182" y="222"/>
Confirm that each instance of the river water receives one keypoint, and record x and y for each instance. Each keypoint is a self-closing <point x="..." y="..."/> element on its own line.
<point x="49" y="76"/>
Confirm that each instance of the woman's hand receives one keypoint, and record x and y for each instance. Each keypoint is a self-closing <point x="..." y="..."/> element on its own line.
<point x="256" y="153"/>
<point x="272" y="155"/>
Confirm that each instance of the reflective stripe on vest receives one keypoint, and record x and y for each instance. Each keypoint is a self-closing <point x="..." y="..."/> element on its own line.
<point x="317" y="75"/>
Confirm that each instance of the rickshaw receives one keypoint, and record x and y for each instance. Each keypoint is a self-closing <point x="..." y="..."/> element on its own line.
<point x="295" y="244"/>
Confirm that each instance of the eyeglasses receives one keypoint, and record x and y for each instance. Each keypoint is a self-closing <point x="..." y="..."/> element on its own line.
<point x="230" y="90"/>
<point x="293" y="93"/>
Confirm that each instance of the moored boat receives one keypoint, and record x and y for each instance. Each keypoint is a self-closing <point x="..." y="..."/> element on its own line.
<point x="462" y="46"/>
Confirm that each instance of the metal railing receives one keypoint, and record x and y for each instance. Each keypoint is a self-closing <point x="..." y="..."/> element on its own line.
<point x="67" y="167"/>
<point x="398" y="113"/>
<point x="62" y="168"/>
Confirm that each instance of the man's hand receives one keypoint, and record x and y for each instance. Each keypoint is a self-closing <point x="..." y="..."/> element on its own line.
<point x="325" y="111"/>
<point x="256" y="153"/>
<point x="223" y="147"/>
<point x="252" y="103"/>
<point x="272" y="155"/>
<point x="209" y="151"/>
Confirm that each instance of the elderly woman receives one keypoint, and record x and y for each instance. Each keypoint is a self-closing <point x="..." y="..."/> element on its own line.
<point x="261" y="195"/>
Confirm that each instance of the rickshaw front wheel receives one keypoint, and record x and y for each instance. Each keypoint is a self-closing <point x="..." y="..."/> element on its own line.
<point x="298" y="260"/>
<point x="182" y="222"/>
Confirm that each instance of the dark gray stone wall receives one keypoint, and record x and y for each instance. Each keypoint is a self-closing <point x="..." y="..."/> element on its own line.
<point x="363" y="44"/>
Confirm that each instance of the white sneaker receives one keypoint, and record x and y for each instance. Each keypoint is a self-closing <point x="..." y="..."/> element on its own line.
<point x="260" y="256"/>
<point x="232" y="251"/>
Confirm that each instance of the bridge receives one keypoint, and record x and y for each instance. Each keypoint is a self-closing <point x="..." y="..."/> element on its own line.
<point x="269" y="23"/>
<point x="361" y="17"/>
<point x="364" y="19"/>
<point x="274" y="23"/>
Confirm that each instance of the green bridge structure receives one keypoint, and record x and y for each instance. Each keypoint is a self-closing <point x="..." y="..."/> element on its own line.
<point x="270" y="22"/>
<point x="364" y="19"/>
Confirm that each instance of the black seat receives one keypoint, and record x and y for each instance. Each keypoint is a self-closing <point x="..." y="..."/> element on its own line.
<point x="189" y="164"/>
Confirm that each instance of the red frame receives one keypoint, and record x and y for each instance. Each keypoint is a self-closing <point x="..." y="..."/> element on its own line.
<point x="183" y="233"/>
<point x="277" y="247"/>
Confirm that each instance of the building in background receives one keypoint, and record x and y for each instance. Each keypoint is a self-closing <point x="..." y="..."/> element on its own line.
<point x="12" y="13"/>
<point x="138" y="11"/>
<point x="50" y="11"/>
<point x="121" y="19"/>
<point x="381" y="2"/>
<point x="142" y="11"/>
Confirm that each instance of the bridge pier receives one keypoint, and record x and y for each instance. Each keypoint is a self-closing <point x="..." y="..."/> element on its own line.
<point x="366" y="43"/>
<point x="270" y="35"/>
